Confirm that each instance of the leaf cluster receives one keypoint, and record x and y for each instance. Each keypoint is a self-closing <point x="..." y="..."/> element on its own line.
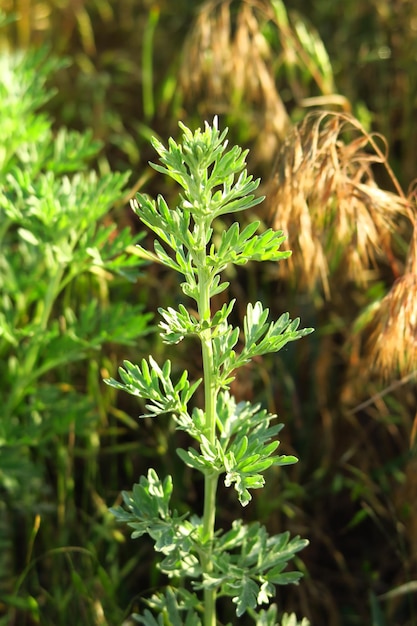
<point x="244" y="449"/>
<point x="153" y="383"/>
<point x="147" y="512"/>
<point x="58" y="259"/>
<point x="260" y="337"/>
<point x="214" y="182"/>
<point x="247" y="443"/>
<point x="176" y="607"/>
<point x="247" y="562"/>
<point x="179" y="607"/>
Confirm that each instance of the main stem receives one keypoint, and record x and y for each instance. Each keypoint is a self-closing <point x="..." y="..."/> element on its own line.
<point x="210" y="479"/>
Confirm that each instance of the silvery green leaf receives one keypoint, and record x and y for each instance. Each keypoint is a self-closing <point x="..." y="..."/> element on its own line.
<point x="247" y="596"/>
<point x="175" y="606"/>
<point x="153" y="383"/>
<point x="291" y="620"/>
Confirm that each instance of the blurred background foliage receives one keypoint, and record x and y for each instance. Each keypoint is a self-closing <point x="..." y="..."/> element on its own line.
<point x="326" y="101"/>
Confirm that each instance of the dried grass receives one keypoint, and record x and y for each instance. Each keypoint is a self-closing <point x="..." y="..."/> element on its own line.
<point x="383" y="340"/>
<point x="392" y="342"/>
<point x="324" y="196"/>
<point x="227" y="65"/>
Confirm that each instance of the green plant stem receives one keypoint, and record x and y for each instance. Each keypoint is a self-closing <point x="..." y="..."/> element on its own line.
<point x="29" y="366"/>
<point x="147" y="65"/>
<point x="210" y="489"/>
<point x="210" y="480"/>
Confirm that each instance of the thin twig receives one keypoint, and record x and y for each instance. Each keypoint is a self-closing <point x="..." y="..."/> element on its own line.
<point x="381" y="394"/>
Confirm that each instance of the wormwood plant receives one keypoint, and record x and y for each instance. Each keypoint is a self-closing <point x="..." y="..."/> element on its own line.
<point x="234" y="440"/>
<point x="58" y="312"/>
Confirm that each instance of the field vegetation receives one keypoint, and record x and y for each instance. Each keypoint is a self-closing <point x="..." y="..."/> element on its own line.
<point x="325" y="101"/>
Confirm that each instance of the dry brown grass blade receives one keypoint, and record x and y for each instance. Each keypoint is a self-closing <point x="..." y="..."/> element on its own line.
<point x="324" y="196"/>
<point x="377" y="396"/>
<point x="413" y="436"/>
